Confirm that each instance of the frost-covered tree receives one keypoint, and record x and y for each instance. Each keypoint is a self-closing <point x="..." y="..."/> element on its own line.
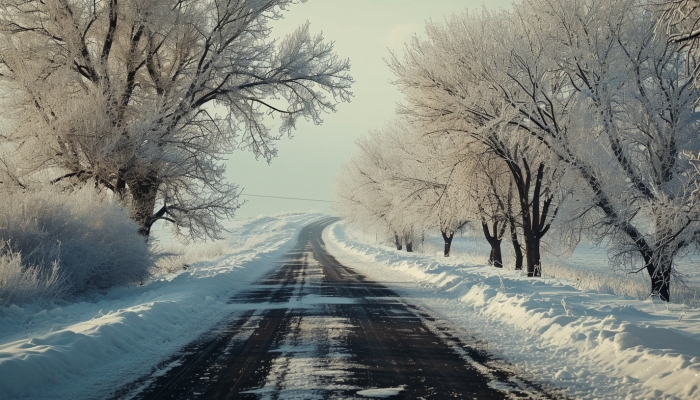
<point x="451" y="210"/>
<point x="590" y="87"/>
<point x="452" y="83"/>
<point x="493" y="194"/>
<point x="362" y="195"/>
<point x="680" y="23"/>
<point x="145" y="97"/>
<point x="370" y="190"/>
<point x="583" y="86"/>
<point x="617" y="105"/>
<point x="431" y="183"/>
<point x="682" y="18"/>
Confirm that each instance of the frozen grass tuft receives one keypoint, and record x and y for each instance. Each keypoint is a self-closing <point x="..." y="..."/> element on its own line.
<point x="604" y="282"/>
<point x="636" y="286"/>
<point x="21" y="284"/>
<point x="174" y="257"/>
<point x="62" y="244"/>
<point x="595" y="275"/>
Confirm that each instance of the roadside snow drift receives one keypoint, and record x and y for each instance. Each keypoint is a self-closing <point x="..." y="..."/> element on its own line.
<point x="591" y="345"/>
<point x="89" y="349"/>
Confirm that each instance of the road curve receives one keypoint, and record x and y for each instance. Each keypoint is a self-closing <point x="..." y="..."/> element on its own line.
<point x="315" y="329"/>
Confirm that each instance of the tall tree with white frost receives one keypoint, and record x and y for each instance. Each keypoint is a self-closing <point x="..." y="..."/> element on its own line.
<point x="363" y="196"/>
<point x="145" y="97"/>
<point x="372" y="191"/>
<point x="493" y="193"/>
<point x="618" y="106"/>
<point x="680" y="21"/>
<point x="429" y="187"/>
<point x="614" y="102"/>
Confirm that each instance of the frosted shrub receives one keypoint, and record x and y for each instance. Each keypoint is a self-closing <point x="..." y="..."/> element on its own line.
<point x="85" y="241"/>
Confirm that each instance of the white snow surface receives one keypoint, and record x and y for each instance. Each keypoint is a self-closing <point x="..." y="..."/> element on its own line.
<point x="86" y="350"/>
<point x="593" y="346"/>
<point x="590" y="345"/>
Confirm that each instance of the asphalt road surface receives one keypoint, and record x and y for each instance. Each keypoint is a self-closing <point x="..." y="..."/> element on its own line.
<point x="315" y="329"/>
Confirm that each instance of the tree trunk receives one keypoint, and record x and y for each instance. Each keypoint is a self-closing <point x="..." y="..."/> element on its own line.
<point x="448" y="241"/>
<point x="516" y="246"/>
<point x="496" y="256"/>
<point x="659" y="266"/>
<point x="661" y="282"/>
<point x="408" y="238"/>
<point x="663" y="260"/>
<point x="534" y="213"/>
<point x="143" y="201"/>
<point x="532" y="249"/>
<point x="397" y="241"/>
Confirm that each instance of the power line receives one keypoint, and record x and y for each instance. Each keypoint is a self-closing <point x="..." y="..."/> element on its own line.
<point x="286" y="198"/>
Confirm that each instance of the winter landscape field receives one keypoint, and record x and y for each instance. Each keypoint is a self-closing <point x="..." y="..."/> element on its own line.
<point x="592" y="345"/>
<point x="292" y="199"/>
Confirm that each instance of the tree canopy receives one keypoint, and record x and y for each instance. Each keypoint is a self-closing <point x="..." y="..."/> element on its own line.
<point x="146" y="97"/>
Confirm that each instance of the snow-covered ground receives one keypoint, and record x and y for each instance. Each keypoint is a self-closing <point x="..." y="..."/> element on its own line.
<point x="86" y="350"/>
<point x="592" y="345"/>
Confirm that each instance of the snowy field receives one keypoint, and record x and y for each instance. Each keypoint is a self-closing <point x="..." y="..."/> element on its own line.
<point x="86" y="350"/>
<point x="592" y="345"/>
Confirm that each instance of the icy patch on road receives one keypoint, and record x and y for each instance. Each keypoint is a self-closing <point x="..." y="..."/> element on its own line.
<point x="303" y="302"/>
<point x="313" y="300"/>
<point x="381" y="393"/>
<point x="593" y="345"/>
<point x="313" y="358"/>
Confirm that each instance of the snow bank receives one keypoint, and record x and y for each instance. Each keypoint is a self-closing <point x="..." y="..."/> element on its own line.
<point x="592" y="345"/>
<point x="88" y="349"/>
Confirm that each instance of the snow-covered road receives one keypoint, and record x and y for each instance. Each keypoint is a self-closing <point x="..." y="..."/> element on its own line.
<point x="592" y="345"/>
<point x="314" y="329"/>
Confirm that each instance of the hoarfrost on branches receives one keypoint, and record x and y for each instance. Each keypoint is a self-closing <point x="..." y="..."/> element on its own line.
<point x="145" y="98"/>
<point x="590" y="107"/>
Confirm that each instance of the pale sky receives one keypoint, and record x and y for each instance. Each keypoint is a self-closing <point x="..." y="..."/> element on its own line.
<point x="363" y="31"/>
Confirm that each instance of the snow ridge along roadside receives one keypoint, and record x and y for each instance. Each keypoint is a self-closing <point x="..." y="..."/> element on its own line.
<point x="591" y="345"/>
<point x="88" y="349"/>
